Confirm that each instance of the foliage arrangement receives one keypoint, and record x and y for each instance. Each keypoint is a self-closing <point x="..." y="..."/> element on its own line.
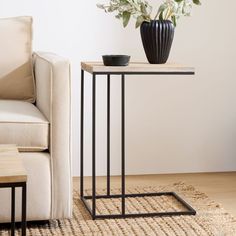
<point x="141" y="10"/>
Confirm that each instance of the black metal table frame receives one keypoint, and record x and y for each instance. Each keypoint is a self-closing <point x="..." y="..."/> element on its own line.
<point x="13" y="187"/>
<point x="123" y="195"/>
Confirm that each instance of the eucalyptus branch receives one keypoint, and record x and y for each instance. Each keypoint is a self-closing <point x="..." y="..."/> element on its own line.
<point x="156" y="16"/>
<point x="141" y="10"/>
<point x="168" y="12"/>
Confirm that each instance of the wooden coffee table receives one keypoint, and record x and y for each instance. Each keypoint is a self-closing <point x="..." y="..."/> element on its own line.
<point x="13" y="175"/>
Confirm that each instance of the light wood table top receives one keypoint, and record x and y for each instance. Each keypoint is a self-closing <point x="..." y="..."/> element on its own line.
<point x="138" y="67"/>
<point x="11" y="166"/>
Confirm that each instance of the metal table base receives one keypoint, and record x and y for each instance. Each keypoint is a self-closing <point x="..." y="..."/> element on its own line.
<point x="13" y="187"/>
<point x="92" y="209"/>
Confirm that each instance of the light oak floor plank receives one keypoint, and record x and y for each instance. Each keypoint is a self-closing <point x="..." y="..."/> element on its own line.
<point x="220" y="187"/>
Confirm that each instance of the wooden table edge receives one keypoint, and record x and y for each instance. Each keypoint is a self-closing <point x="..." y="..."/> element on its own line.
<point x="98" y="67"/>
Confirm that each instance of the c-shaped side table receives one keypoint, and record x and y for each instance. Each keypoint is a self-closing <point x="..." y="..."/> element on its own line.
<point x="96" y="68"/>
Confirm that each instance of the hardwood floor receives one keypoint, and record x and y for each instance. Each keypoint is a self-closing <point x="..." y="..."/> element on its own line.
<point x="220" y="187"/>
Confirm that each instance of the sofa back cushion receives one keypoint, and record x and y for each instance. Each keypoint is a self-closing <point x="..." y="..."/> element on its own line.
<point x="16" y="74"/>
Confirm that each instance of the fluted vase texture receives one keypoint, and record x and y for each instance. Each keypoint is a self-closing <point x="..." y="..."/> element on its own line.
<point x="157" y="37"/>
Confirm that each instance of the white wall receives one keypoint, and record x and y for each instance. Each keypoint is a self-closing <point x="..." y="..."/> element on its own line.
<point x="174" y="123"/>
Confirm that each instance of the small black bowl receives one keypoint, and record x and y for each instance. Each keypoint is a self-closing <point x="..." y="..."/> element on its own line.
<point x="116" y="60"/>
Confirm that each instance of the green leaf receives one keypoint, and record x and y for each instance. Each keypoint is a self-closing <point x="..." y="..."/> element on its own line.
<point x="160" y="11"/>
<point x="101" y="6"/>
<point x="126" y="18"/>
<point x="124" y="1"/>
<point x="179" y="1"/>
<point x="118" y="16"/>
<point x="112" y="8"/>
<point x="143" y="8"/>
<point x="197" y="2"/>
<point x="173" y="19"/>
<point x="162" y="8"/>
<point x="139" y="21"/>
<point x="161" y="16"/>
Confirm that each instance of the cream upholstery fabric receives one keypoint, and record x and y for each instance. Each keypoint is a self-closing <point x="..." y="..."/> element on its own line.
<point x="52" y="74"/>
<point x="35" y="127"/>
<point x="37" y="165"/>
<point x="16" y="77"/>
<point x="21" y="123"/>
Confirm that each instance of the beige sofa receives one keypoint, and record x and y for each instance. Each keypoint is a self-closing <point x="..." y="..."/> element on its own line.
<point x="35" y="115"/>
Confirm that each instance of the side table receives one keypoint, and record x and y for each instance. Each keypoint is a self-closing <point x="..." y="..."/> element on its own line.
<point x="13" y="175"/>
<point x="95" y="69"/>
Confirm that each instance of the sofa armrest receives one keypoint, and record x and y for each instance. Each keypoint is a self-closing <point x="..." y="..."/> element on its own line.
<point x="53" y="99"/>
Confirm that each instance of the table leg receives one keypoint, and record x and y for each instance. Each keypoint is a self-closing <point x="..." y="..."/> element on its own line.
<point x="23" y="217"/>
<point x="82" y="136"/>
<point x="108" y="135"/>
<point x="12" y="211"/>
<point x="123" y="144"/>
<point x="94" y="146"/>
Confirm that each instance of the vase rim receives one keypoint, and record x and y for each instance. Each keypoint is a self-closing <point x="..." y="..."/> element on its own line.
<point x="161" y="20"/>
<point x="158" y="21"/>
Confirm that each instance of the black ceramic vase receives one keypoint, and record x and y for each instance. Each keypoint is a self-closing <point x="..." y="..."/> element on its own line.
<point x="157" y="37"/>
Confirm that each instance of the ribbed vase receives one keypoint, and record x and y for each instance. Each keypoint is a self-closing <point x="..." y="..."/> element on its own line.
<point x="157" y="37"/>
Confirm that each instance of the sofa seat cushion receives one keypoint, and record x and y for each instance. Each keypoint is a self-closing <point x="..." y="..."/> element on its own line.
<point x="21" y="123"/>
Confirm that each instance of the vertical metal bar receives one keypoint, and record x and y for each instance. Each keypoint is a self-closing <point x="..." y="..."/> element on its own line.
<point x="94" y="146"/>
<point x="108" y="134"/>
<point x="23" y="217"/>
<point x="82" y="136"/>
<point x="12" y="211"/>
<point x="123" y="144"/>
